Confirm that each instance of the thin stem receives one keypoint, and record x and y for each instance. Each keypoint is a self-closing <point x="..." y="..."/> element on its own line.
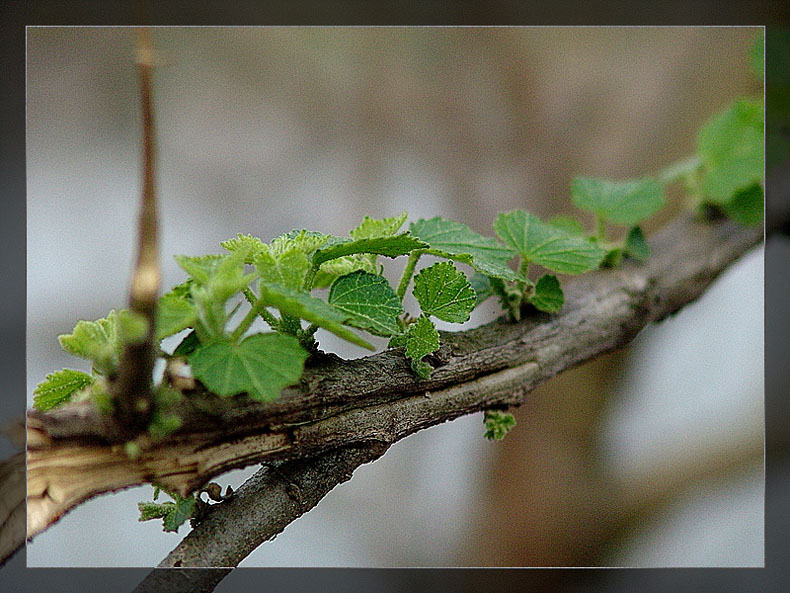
<point x="408" y="272"/>
<point x="523" y="269"/>
<point x="273" y="322"/>
<point x="247" y="321"/>
<point x="680" y="169"/>
<point x="310" y="278"/>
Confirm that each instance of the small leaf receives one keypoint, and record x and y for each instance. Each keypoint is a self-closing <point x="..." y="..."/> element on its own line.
<point x="330" y="270"/>
<point x="612" y="258"/>
<point x="370" y="302"/>
<point x="288" y="269"/>
<point x="548" y="295"/>
<point x="620" y="202"/>
<point x="378" y="227"/>
<point x="311" y="309"/>
<point x="96" y="341"/>
<point x="636" y="245"/>
<point x="392" y="246"/>
<point x="303" y="240"/>
<point x="568" y="224"/>
<point x="261" y="365"/>
<point x="454" y="240"/>
<point x="731" y="148"/>
<point x="498" y="424"/>
<point x="421" y="340"/>
<point x="58" y="388"/>
<point x="131" y="327"/>
<point x="173" y="314"/>
<point x="182" y="511"/>
<point x="481" y="284"/>
<point x="747" y="206"/>
<point x="546" y="245"/>
<point x="252" y="245"/>
<point x="444" y="292"/>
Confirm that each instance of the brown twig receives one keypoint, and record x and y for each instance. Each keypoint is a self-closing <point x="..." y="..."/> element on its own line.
<point x="132" y="388"/>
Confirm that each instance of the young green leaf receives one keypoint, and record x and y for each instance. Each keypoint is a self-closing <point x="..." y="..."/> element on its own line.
<point x="378" y="227"/>
<point x="96" y="341"/>
<point x="636" y="245"/>
<point x="747" y="206"/>
<point x="59" y="387"/>
<point x="481" y="284"/>
<point x="498" y="424"/>
<point x="260" y="365"/>
<point x="568" y="224"/>
<point x="173" y="514"/>
<point x="612" y="258"/>
<point x="391" y="246"/>
<point x="305" y="241"/>
<point x="546" y="245"/>
<point x="304" y="306"/>
<point x="330" y="270"/>
<point x="731" y="148"/>
<point x="252" y="245"/>
<point x="369" y="301"/>
<point x="620" y="202"/>
<point x="548" y="295"/>
<point x="131" y="327"/>
<point x="287" y="269"/>
<point x="221" y="276"/>
<point x="444" y="292"/>
<point x="454" y="240"/>
<point x="173" y="314"/>
<point x="421" y="339"/>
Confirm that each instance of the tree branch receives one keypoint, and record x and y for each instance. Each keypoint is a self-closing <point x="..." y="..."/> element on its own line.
<point x="377" y="400"/>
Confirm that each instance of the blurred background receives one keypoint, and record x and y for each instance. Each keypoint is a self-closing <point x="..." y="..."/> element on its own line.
<point x="651" y="456"/>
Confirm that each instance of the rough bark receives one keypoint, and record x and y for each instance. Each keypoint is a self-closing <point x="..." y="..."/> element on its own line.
<point x="377" y="400"/>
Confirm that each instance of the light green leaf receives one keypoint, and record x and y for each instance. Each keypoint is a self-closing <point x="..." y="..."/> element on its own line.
<point x="378" y="227"/>
<point x="392" y="246"/>
<point x="568" y="224"/>
<point x="369" y="301"/>
<point x="546" y="245"/>
<point x="303" y="240"/>
<point x="421" y="339"/>
<point x="548" y="294"/>
<point x="58" y="388"/>
<point x="131" y="327"/>
<point x="344" y="265"/>
<point x="636" y="245"/>
<point x="260" y="365"/>
<point x="288" y="269"/>
<point x="498" y="424"/>
<point x="173" y="514"/>
<point x="444" y="292"/>
<point x="96" y="341"/>
<point x="252" y="245"/>
<point x="173" y="314"/>
<point x="481" y="284"/>
<point x="222" y="275"/>
<point x="455" y="240"/>
<point x="311" y="309"/>
<point x="747" y="206"/>
<point x="620" y="202"/>
<point x="731" y="148"/>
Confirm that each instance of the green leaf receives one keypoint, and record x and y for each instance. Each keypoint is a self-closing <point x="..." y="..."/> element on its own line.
<point x="731" y="148"/>
<point x="620" y="202"/>
<point x="187" y="345"/>
<point x="173" y="514"/>
<point x="96" y="341"/>
<point x="369" y="301"/>
<point x="341" y="266"/>
<point x="444" y="292"/>
<point x="548" y="294"/>
<point x="311" y="309"/>
<point x="303" y="240"/>
<point x="546" y="245"/>
<point x="636" y="245"/>
<point x="131" y="327"/>
<point x="260" y="365"/>
<point x="568" y="224"/>
<point x="392" y="246"/>
<point x="612" y="258"/>
<point x="498" y="424"/>
<point x="481" y="284"/>
<point x="58" y="387"/>
<point x="252" y="245"/>
<point x="421" y="340"/>
<point x="378" y="227"/>
<point x="747" y="206"/>
<point x="287" y="269"/>
<point x="455" y="240"/>
<point x="173" y="314"/>
<point x="221" y="276"/>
